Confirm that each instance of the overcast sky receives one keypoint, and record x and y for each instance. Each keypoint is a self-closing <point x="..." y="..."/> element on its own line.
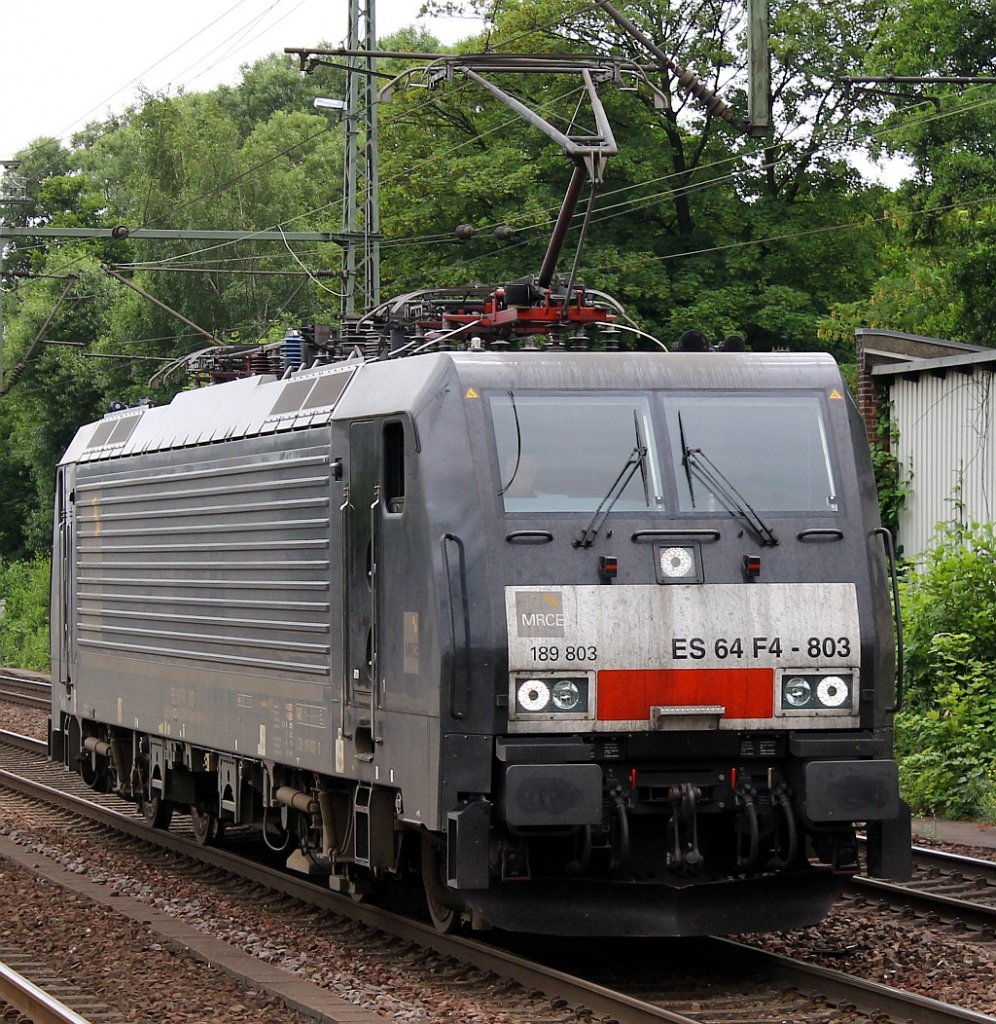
<point x="65" y="62"/>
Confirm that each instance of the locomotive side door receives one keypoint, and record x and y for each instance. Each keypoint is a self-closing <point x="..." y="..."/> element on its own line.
<point x="360" y="596"/>
<point x="63" y="579"/>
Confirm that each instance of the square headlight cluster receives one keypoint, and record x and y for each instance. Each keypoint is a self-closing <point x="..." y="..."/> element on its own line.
<point x="550" y="695"/>
<point x="816" y="692"/>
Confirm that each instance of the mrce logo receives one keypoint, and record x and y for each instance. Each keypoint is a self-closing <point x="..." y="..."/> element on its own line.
<point x="539" y="613"/>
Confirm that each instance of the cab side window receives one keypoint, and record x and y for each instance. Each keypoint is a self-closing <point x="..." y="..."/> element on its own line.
<point x="393" y="449"/>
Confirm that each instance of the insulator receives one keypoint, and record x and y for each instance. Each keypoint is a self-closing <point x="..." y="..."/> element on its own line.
<point x="610" y="338"/>
<point x="578" y="342"/>
<point x="258" y="363"/>
<point x="465" y="231"/>
<point x="372" y="342"/>
<point x="504" y="233"/>
<point x="292" y="350"/>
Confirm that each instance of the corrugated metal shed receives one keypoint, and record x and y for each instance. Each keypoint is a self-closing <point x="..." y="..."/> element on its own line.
<point x="943" y="409"/>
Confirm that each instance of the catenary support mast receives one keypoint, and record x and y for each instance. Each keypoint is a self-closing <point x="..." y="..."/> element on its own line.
<point x="361" y="198"/>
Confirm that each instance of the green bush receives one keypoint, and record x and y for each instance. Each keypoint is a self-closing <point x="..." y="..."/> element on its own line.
<point x="947" y="752"/>
<point x="24" y="626"/>
<point x="945" y="737"/>
<point x="953" y="592"/>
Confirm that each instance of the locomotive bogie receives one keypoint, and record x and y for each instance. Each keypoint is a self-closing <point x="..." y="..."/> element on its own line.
<point x="588" y="642"/>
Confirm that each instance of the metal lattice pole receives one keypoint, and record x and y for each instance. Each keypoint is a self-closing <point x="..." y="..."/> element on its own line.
<point x="360" y="172"/>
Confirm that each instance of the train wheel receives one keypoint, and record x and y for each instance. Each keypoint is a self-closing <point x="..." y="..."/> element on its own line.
<point x="158" y="813"/>
<point x="445" y="918"/>
<point x="208" y="829"/>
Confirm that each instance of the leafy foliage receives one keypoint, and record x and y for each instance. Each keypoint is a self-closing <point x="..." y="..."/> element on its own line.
<point x="892" y="478"/>
<point x="953" y="593"/>
<point x="944" y="736"/>
<point x="946" y="749"/>
<point x="946" y="212"/>
<point x="24" y="625"/>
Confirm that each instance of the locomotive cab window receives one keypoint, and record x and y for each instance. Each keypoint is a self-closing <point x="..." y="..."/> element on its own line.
<point x="571" y="452"/>
<point x="394" y="466"/>
<point x="769" y="452"/>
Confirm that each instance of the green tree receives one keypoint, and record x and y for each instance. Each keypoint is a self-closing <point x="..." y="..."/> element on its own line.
<point x="947" y="133"/>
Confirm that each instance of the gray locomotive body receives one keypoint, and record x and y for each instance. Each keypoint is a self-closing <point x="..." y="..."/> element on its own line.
<point x="594" y="642"/>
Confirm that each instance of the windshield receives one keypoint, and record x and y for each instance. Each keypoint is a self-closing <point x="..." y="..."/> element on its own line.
<point x="564" y="452"/>
<point x="773" y="450"/>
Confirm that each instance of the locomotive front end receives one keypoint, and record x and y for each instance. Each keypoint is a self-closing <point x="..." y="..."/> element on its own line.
<point x="694" y="717"/>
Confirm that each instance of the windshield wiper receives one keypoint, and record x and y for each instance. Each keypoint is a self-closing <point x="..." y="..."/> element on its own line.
<point x="697" y="462"/>
<point x="685" y="462"/>
<point x="637" y="458"/>
<point x="518" y="446"/>
<point x="643" y="461"/>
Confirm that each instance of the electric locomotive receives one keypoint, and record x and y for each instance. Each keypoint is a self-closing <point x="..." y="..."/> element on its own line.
<point x="593" y="642"/>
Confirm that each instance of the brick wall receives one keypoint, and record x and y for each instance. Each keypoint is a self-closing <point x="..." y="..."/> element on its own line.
<point x="870" y="396"/>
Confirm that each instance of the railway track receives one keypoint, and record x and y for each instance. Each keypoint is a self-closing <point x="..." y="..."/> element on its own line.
<point x="25" y="690"/>
<point x="38" y="1004"/>
<point x="634" y="982"/>
<point x="948" y="886"/>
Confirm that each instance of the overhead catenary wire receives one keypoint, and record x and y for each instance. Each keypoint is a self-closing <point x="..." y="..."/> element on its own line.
<point x="805" y="233"/>
<point x="436" y="239"/>
<point x="436" y="157"/>
<point x="628" y="207"/>
<point x="539" y="28"/>
<point x="331" y="291"/>
<point x="151" y="67"/>
<point x="10" y="379"/>
<point x="657" y="197"/>
<point x="238" y="39"/>
<point x="623" y="207"/>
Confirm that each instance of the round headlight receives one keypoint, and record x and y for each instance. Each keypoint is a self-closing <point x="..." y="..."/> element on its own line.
<point x="566" y="694"/>
<point x="533" y="695"/>
<point x="832" y="691"/>
<point x="676" y="563"/>
<point x="797" y="691"/>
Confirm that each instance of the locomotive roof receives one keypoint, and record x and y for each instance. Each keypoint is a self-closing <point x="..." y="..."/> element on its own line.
<point x="253" y="406"/>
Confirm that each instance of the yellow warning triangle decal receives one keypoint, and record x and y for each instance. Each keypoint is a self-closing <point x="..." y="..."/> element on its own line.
<point x="471" y="393"/>
<point x="836" y="394"/>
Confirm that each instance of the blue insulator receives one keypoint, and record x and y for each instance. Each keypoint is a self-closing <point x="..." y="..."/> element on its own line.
<point x="292" y="350"/>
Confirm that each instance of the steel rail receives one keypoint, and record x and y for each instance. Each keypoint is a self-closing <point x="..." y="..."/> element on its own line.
<point x="26" y="700"/>
<point x="974" y="914"/>
<point x="919" y="895"/>
<point x="927" y="858"/>
<point x="28" y="682"/>
<point x="28" y="743"/>
<point x="35" y="1003"/>
<point x="869" y="997"/>
<point x="470" y="951"/>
